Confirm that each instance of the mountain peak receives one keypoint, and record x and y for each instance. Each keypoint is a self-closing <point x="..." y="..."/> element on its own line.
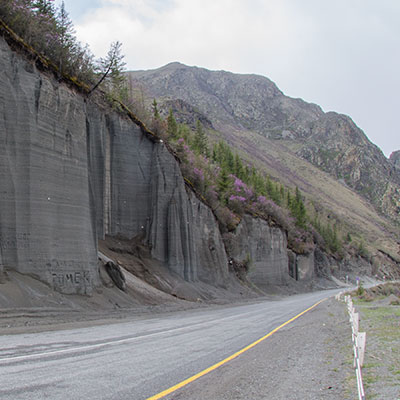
<point x="254" y="106"/>
<point x="173" y="65"/>
<point x="395" y="158"/>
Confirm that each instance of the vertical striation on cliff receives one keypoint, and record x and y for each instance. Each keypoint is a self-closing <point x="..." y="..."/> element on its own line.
<point x="73" y="171"/>
<point x="45" y="214"/>
<point x="266" y="247"/>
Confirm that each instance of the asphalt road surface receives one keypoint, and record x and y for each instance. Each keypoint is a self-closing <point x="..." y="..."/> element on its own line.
<point x="138" y="358"/>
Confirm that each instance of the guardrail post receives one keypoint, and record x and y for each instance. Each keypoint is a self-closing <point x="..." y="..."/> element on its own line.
<point x="358" y="339"/>
<point x="356" y="322"/>
<point x="361" y="340"/>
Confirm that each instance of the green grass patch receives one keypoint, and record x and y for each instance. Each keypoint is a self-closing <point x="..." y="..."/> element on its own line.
<point x="381" y="368"/>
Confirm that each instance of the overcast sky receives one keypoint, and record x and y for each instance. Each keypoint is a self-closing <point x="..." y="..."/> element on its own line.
<point x="343" y="55"/>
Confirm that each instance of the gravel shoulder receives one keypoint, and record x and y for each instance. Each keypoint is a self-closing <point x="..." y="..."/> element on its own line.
<point x="311" y="358"/>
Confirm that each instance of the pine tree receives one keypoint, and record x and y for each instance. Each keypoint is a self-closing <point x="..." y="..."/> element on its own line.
<point x="44" y="7"/>
<point x="223" y="184"/>
<point x="117" y="78"/>
<point x="50" y="32"/>
<point x="66" y="37"/>
<point x="335" y="240"/>
<point x="156" y="113"/>
<point x="301" y="217"/>
<point x="40" y="25"/>
<point x="289" y="200"/>
<point x="239" y="169"/>
<point x="282" y="191"/>
<point x="317" y="223"/>
<point x="247" y="174"/>
<point x="298" y="209"/>
<point x="214" y="155"/>
<point x="200" y="143"/>
<point x="257" y="181"/>
<point x="298" y="195"/>
<point x="221" y="153"/>
<point x="111" y="69"/>
<point x="172" y="127"/>
<point x="183" y="131"/>
<point x="229" y="159"/>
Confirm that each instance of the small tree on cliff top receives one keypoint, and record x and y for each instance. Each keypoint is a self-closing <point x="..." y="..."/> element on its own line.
<point x="66" y="33"/>
<point x="111" y="69"/>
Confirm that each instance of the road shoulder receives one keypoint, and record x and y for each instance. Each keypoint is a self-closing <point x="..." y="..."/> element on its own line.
<point x="311" y="358"/>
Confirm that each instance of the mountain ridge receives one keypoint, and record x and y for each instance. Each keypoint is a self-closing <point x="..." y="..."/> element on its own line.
<point x="254" y="104"/>
<point x="395" y="159"/>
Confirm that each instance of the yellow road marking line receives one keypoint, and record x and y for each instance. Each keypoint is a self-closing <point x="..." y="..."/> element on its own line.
<point x="238" y="353"/>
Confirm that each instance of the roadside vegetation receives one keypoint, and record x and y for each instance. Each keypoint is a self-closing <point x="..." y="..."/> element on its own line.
<point x="230" y="185"/>
<point x="379" y="309"/>
<point x="48" y="30"/>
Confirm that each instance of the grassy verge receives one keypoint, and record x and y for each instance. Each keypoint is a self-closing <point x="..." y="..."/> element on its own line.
<point x="381" y="371"/>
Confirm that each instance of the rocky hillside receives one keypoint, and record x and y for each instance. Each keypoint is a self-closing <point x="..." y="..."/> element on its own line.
<point x="254" y="105"/>
<point x="395" y="159"/>
<point x="86" y="188"/>
<point x="73" y="171"/>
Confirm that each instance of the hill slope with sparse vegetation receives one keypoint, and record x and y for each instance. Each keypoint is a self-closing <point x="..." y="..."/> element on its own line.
<point x="348" y="183"/>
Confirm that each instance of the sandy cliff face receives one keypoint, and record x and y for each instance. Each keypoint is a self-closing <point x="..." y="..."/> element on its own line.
<point x="138" y="191"/>
<point x="71" y="173"/>
<point x="266" y="249"/>
<point x="45" y="216"/>
<point x="183" y="232"/>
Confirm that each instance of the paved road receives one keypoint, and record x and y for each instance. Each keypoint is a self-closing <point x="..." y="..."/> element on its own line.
<point x="139" y="358"/>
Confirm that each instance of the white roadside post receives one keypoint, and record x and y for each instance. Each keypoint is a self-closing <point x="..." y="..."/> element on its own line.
<point x="361" y="341"/>
<point x="355" y="323"/>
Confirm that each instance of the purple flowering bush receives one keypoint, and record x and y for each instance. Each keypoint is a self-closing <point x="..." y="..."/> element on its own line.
<point x="237" y="203"/>
<point x="231" y="189"/>
<point x="279" y="215"/>
<point x="226" y="218"/>
<point x="211" y="195"/>
<point x="301" y="241"/>
<point x="230" y="196"/>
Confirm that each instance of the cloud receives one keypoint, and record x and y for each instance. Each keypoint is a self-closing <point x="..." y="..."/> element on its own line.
<point x="216" y="34"/>
<point x="341" y="55"/>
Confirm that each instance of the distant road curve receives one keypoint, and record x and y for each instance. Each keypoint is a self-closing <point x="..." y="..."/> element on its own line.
<point x="139" y="358"/>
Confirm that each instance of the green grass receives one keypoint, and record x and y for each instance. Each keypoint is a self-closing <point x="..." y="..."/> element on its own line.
<point x="370" y="379"/>
<point x="372" y="365"/>
<point x="382" y="358"/>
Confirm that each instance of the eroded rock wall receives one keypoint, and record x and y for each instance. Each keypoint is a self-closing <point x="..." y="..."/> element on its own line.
<point x="45" y="216"/>
<point x="138" y="190"/>
<point x="120" y="165"/>
<point x="301" y="266"/>
<point x="266" y="247"/>
<point x="72" y="172"/>
<point x="183" y="231"/>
